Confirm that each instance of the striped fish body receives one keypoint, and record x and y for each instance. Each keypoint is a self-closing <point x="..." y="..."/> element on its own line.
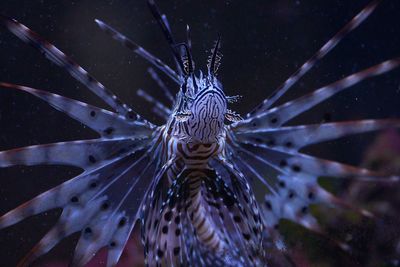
<point x="189" y="182"/>
<point x="193" y="155"/>
<point x="191" y="166"/>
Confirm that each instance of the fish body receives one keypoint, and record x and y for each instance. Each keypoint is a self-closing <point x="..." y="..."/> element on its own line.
<point x="188" y="182"/>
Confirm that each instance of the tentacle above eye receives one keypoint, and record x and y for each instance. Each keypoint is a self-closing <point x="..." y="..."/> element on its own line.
<point x="107" y="124"/>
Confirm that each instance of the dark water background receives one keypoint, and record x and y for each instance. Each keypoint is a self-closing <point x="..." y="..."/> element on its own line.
<point x="263" y="42"/>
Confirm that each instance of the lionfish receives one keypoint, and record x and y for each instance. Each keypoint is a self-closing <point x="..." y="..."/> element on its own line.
<point x="188" y="182"/>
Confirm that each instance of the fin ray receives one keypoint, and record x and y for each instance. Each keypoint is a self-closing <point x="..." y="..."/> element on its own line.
<point x="325" y="49"/>
<point x="107" y="124"/>
<point x="297" y="137"/>
<point x="279" y="115"/>
<point x="85" y="154"/>
<point x="60" y="59"/>
<point x="125" y="41"/>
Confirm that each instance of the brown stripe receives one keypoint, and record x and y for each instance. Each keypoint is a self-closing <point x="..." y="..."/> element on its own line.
<point x="209" y="238"/>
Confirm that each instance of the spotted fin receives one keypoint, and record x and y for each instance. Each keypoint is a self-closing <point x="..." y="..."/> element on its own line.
<point x="299" y="163"/>
<point x="75" y="196"/>
<point x="66" y="225"/>
<point x="289" y="197"/>
<point x="62" y="194"/>
<point x="248" y="216"/>
<point x="105" y="123"/>
<point x="325" y="49"/>
<point x="296" y="186"/>
<point x="101" y="230"/>
<point x="293" y="200"/>
<point x="60" y="59"/>
<point x="86" y="154"/>
<point x="170" y="233"/>
<point x="297" y="137"/>
<point x="277" y="116"/>
<point x="162" y="229"/>
<point x="93" y="203"/>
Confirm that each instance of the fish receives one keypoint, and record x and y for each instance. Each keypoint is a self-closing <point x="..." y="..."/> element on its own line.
<point x="188" y="182"/>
